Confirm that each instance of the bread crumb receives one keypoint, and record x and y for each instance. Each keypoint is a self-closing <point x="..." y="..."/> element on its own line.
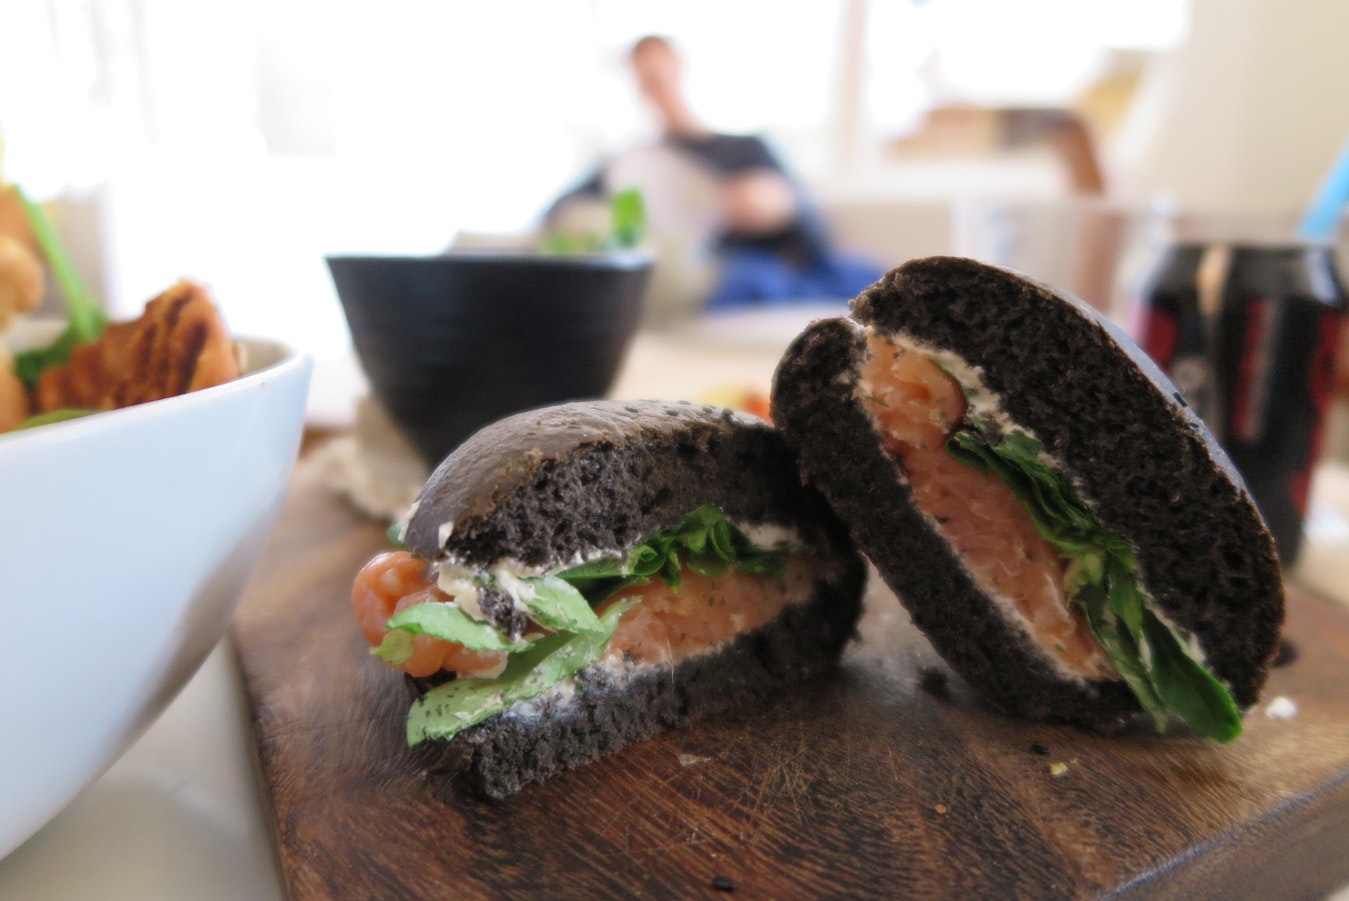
<point x="1058" y="770"/>
<point x="932" y="680"/>
<point x="1281" y="708"/>
<point x="1286" y="654"/>
<point x="692" y="759"/>
<point x="940" y="808"/>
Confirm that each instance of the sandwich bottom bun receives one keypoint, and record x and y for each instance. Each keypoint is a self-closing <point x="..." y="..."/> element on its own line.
<point x="608" y="707"/>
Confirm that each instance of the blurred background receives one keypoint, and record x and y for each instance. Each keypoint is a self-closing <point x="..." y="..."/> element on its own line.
<point x="238" y="143"/>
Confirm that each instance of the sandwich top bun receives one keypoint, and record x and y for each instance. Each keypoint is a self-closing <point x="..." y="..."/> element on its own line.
<point x="572" y="482"/>
<point x="1013" y="357"/>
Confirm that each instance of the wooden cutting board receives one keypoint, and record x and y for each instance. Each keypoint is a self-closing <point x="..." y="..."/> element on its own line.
<point x="887" y="780"/>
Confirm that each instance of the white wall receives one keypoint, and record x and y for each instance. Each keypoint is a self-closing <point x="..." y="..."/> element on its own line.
<point x="1248" y="114"/>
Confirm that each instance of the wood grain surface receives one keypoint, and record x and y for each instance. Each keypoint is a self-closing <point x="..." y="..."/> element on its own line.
<point x="886" y="780"/>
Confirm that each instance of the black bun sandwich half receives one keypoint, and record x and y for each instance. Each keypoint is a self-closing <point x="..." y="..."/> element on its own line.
<point x="585" y="576"/>
<point x="1056" y="520"/>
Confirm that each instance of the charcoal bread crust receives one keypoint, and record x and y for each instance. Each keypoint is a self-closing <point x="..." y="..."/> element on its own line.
<point x="1137" y="454"/>
<point x="841" y="453"/>
<point x="607" y="712"/>
<point x="553" y="486"/>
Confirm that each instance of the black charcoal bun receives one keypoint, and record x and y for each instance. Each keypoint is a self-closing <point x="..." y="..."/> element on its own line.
<point x="1139" y="456"/>
<point x="560" y="483"/>
<point x="555" y="484"/>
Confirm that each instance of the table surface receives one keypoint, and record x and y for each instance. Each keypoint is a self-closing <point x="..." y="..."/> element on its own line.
<point x="179" y="815"/>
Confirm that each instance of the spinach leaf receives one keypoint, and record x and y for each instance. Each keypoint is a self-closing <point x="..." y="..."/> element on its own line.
<point x="703" y="540"/>
<point x="1103" y="576"/>
<point x="600" y="578"/>
<point x="627" y="209"/>
<point x="448" y="709"/>
<point x="555" y="604"/>
<point x="1187" y="687"/>
<point x="627" y="227"/>
<point x="564" y="243"/>
<point x="450" y="623"/>
<point x="395" y="648"/>
<point x="52" y="416"/>
<point x="1123" y="651"/>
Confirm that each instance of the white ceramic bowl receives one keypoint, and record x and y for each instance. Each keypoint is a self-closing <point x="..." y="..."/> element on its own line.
<point x="125" y="541"/>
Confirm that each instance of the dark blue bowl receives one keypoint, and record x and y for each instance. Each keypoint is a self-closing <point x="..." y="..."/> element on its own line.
<point x="453" y="342"/>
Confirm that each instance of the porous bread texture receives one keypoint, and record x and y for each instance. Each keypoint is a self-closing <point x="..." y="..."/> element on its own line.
<point x="553" y="486"/>
<point x="607" y="712"/>
<point x="1138" y="456"/>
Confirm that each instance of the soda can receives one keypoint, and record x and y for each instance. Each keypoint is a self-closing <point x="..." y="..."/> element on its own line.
<point x="1171" y="326"/>
<point x="1248" y="328"/>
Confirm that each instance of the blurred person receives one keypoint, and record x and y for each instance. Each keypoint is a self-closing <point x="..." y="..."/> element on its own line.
<point x="731" y="227"/>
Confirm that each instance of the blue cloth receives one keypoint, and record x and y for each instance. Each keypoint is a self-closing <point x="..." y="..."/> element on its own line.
<point x="751" y="278"/>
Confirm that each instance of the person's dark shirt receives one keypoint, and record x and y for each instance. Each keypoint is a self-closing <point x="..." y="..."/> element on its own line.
<point x="803" y="242"/>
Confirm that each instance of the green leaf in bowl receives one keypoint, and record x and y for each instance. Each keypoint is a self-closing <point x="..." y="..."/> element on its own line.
<point x="87" y="318"/>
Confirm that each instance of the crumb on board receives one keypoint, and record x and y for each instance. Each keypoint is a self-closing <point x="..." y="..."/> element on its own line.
<point x="1058" y="770"/>
<point x="941" y="808"/>
<point x="932" y="679"/>
<point x="1281" y="708"/>
<point x="1286" y="654"/>
<point x="692" y="759"/>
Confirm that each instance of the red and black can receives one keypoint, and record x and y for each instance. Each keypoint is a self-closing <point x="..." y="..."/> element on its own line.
<point x="1249" y="332"/>
<point x="1170" y="324"/>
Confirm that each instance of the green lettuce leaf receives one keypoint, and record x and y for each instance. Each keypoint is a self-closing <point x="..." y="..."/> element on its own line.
<point x="628" y="211"/>
<point x="448" y="709"/>
<point x="86" y="321"/>
<point x="450" y="623"/>
<point x="1149" y="656"/>
<point x="627" y="227"/>
<point x="555" y="604"/>
<point x="703" y="540"/>
<point x="51" y="416"/>
<point x="1119" y="643"/>
<point x="1188" y="688"/>
<point x="395" y="648"/>
<point x="591" y="578"/>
